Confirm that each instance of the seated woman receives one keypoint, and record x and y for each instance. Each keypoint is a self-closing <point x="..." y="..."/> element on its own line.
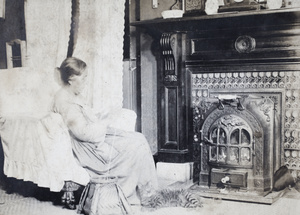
<point x="99" y="148"/>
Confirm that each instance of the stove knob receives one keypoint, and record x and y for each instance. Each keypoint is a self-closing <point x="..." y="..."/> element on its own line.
<point x="225" y="179"/>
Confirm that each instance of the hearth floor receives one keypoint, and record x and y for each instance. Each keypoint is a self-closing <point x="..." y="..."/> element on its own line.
<point x="288" y="204"/>
<point x="244" y="196"/>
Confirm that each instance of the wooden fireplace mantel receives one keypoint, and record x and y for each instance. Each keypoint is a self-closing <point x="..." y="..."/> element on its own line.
<point x="211" y="39"/>
<point x="249" y="41"/>
<point x="222" y="20"/>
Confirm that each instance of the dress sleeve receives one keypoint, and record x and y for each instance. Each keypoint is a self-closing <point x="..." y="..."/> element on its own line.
<point x="82" y="127"/>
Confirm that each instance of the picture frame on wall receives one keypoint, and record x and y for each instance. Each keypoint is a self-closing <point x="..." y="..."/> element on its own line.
<point x="2" y="9"/>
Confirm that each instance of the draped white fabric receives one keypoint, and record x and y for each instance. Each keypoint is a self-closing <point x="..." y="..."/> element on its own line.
<point x="40" y="151"/>
<point x="47" y="33"/>
<point x="29" y="90"/>
<point x="100" y="44"/>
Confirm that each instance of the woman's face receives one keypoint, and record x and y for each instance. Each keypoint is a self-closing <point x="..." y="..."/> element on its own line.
<point x="78" y="82"/>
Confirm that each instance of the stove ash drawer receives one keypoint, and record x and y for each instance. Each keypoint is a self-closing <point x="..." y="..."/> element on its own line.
<point x="232" y="178"/>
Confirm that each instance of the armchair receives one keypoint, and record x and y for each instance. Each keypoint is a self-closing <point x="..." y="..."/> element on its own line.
<point x="39" y="149"/>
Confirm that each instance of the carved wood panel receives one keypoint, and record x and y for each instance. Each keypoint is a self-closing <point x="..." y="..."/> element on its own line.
<point x="173" y="142"/>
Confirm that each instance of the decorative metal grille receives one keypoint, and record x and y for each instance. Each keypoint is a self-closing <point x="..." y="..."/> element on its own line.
<point x="203" y="83"/>
<point x="231" y="142"/>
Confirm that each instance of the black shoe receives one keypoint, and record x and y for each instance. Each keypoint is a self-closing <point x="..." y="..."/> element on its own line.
<point x="68" y="200"/>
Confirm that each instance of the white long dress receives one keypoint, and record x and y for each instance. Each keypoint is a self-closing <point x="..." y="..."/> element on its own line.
<point x="103" y="150"/>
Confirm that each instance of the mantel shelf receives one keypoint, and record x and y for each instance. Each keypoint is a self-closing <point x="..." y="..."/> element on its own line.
<point x="218" y="16"/>
<point x="246" y="18"/>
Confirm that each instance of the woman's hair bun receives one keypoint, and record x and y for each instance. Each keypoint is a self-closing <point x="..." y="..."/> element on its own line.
<point x="71" y="66"/>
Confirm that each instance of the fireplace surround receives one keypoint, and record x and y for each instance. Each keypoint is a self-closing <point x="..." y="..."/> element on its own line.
<point x="239" y="137"/>
<point x="228" y="98"/>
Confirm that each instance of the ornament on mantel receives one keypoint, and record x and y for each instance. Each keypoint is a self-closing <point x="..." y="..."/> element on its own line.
<point x="176" y="10"/>
<point x="291" y="3"/>
<point x="274" y="4"/>
<point x="211" y="7"/>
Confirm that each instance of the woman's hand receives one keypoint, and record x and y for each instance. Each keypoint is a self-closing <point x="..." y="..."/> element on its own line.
<point x="2" y="121"/>
<point x="102" y="115"/>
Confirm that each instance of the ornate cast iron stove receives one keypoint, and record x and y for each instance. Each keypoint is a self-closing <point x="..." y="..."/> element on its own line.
<point x="234" y="139"/>
<point x="238" y="136"/>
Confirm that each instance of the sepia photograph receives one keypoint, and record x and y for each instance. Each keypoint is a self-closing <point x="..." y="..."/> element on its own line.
<point x="149" y="107"/>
